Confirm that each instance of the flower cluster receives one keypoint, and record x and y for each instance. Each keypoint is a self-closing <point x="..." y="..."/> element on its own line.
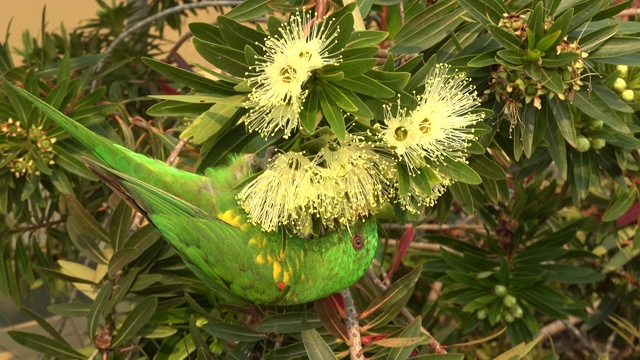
<point x="438" y="127"/>
<point x="278" y="83"/>
<point x="337" y="174"/>
<point x="346" y="180"/>
<point x="25" y="147"/>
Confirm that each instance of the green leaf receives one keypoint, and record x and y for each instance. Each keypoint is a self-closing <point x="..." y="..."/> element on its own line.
<point x="70" y="310"/>
<point x="97" y="309"/>
<point x="85" y="243"/>
<point x="363" y="110"/>
<point x="485" y="12"/>
<point x="486" y="167"/>
<point x="206" y="32"/>
<point x="143" y="238"/>
<point x="428" y="28"/>
<point x="552" y="81"/>
<point x="351" y="68"/>
<point x="515" y="57"/>
<point x="506" y="39"/>
<point x="584" y="11"/>
<point x="366" y="38"/>
<point x="44" y="324"/>
<point x="232" y="332"/>
<point x="616" y="46"/>
<point x="462" y="194"/>
<point x="249" y="10"/>
<point x="411" y="331"/>
<point x="581" y="173"/>
<point x="177" y="108"/>
<point x="557" y="148"/>
<point x="209" y="123"/>
<point x="317" y="348"/>
<point x="334" y="116"/>
<point x="238" y="36"/>
<point x="45" y="345"/>
<point x="122" y="258"/>
<point x="557" y="60"/>
<point x="619" y="204"/>
<point x="519" y="351"/>
<point x="119" y="225"/>
<point x="309" y="112"/>
<point x="86" y="223"/>
<point x="391" y="301"/>
<point x="487" y="59"/>
<point x="593" y="105"/>
<point x="223" y="57"/>
<point x="548" y="41"/>
<point x="292" y="322"/>
<point x="366" y="86"/>
<point x="593" y="39"/>
<point x="459" y="171"/>
<point x="339" y="98"/>
<point x="188" y="78"/>
<point x="393" y="80"/>
<point x="564" y="120"/>
<point x="535" y="23"/>
<point x="135" y="320"/>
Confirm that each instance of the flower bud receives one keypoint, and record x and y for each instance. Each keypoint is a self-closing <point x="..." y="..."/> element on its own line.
<point x="500" y="290"/>
<point x="583" y="144"/>
<point x="620" y="85"/>
<point x="623" y="69"/>
<point x="509" y="301"/>
<point x="508" y="318"/>
<point x="627" y="95"/>
<point x="598" y="143"/>
<point x="482" y="314"/>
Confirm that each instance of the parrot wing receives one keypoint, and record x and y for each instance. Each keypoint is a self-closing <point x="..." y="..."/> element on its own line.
<point x="210" y="247"/>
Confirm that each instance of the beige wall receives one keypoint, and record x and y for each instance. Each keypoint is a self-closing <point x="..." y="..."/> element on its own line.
<point x="27" y="14"/>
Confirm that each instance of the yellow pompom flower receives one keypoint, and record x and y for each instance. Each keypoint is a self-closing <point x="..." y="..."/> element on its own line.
<point x="284" y="194"/>
<point x="438" y="127"/>
<point x="355" y="182"/>
<point x="280" y="75"/>
<point x="415" y="198"/>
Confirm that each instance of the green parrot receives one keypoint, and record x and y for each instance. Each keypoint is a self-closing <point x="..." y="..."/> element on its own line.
<point x="199" y="216"/>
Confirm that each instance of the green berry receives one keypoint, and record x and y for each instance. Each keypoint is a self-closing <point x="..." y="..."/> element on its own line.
<point x="516" y="311"/>
<point x="508" y="318"/>
<point x="509" y="301"/>
<point x="583" y="144"/>
<point x="482" y="314"/>
<point x="595" y="124"/>
<point x="627" y="95"/>
<point x="531" y="90"/>
<point x="500" y="290"/>
<point x="620" y="85"/>
<point x="597" y="143"/>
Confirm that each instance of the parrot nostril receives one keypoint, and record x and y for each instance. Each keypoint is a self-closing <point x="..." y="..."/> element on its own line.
<point x="357" y="242"/>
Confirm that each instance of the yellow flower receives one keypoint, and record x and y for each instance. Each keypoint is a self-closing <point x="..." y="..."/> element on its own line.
<point x="438" y="127"/>
<point x="415" y="198"/>
<point x="356" y="180"/>
<point x="280" y="75"/>
<point x="284" y="194"/>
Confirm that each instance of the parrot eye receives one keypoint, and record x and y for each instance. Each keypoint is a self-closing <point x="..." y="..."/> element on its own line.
<point x="357" y="242"/>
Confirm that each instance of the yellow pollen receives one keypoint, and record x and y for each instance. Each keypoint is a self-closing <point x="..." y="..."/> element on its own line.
<point x="286" y="277"/>
<point x="260" y="259"/>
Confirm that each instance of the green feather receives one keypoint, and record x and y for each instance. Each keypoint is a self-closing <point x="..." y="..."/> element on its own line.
<point x="200" y="217"/>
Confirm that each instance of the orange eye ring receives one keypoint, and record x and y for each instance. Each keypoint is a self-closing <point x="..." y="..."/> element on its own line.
<point x="357" y="242"/>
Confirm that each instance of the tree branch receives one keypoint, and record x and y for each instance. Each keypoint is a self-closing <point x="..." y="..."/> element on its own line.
<point x="353" y="326"/>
